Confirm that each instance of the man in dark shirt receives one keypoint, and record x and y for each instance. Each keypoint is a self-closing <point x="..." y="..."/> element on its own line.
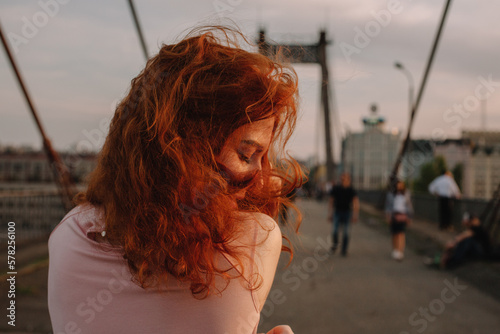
<point x="343" y="207"/>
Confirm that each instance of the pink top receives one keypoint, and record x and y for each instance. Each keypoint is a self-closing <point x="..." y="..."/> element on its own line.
<point x="90" y="291"/>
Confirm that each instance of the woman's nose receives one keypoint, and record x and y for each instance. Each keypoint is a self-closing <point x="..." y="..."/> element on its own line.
<point x="257" y="165"/>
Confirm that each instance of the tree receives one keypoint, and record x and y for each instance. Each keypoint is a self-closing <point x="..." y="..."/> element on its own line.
<point x="429" y="172"/>
<point x="440" y="165"/>
<point x="458" y="174"/>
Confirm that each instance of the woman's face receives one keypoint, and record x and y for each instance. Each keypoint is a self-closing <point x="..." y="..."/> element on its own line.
<point x="400" y="186"/>
<point x="243" y="152"/>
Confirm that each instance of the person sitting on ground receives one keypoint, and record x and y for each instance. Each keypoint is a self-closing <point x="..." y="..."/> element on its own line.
<point x="473" y="243"/>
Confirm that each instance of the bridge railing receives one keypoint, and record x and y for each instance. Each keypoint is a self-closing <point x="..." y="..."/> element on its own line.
<point x="426" y="208"/>
<point x="35" y="214"/>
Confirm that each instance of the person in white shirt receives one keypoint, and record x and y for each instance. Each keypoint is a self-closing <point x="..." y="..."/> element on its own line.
<point x="446" y="189"/>
<point x="399" y="210"/>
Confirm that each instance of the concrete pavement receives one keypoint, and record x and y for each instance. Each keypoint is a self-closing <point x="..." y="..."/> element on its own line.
<point x="368" y="291"/>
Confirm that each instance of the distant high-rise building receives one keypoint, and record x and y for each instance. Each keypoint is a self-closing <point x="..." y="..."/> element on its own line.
<point x="369" y="155"/>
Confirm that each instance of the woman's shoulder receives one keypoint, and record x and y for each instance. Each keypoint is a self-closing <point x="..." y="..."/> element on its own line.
<point x="258" y="229"/>
<point x="84" y="219"/>
<point x="263" y="236"/>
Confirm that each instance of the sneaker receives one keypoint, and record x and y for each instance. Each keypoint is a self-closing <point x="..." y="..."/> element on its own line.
<point x="333" y="249"/>
<point x="434" y="262"/>
<point x="397" y="255"/>
<point x="394" y="254"/>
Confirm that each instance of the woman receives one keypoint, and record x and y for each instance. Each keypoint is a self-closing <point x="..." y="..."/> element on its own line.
<point x="399" y="211"/>
<point x="174" y="233"/>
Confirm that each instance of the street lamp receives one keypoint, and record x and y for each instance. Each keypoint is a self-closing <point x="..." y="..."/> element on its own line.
<point x="400" y="66"/>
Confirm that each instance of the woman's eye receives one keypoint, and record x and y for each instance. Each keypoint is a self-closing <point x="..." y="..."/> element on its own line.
<point x="244" y="158"/>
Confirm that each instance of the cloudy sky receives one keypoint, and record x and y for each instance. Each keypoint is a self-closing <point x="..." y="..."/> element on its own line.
<point x="78" y="57"/>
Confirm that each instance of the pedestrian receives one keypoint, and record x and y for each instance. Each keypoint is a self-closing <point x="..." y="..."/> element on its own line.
<point x="447" y="190"/>
<point x="399" y="211"/>
<point x="284" y="211"/>
<point x="343" y="208"/>
<point x="176" y="230"/>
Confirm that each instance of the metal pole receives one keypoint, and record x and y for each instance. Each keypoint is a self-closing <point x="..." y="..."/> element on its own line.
<point x="408" y="75"/>
<point x="61" y="173"/>
<point x="411" y="85"/>
<point x="330" y="165"/>
<point x="138" y="28"/>
<point x="394" y="173"/>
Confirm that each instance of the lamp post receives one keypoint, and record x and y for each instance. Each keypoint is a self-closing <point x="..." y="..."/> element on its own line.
<point x="400" y="66"/>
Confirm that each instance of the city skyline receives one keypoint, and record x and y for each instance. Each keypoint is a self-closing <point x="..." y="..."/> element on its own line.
<point x="79" y="62"/>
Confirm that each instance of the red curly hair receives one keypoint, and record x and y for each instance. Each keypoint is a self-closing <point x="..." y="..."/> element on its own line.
<point x="167" y="203"/>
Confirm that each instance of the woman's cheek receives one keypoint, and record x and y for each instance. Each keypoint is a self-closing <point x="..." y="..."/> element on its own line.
<point x="276" y="183"/>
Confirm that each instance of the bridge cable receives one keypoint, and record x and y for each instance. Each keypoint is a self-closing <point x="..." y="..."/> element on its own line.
<point x="60" y="170"/>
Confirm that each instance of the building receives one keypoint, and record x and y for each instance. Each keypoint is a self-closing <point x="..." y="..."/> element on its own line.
<point x="479" y="153"/>
<point x="454" y="151"/>
<point x="482" y="138"/>
<point x="28" y="166"/>
<point x="483" y="165"/>
<point x="369" y="155"/>
<point x="484" y="171"/>
<point x="35" y="211"/>
<point x="28" y="194"/>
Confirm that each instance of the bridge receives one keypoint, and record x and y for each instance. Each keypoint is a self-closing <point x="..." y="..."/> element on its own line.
<point x="366" y="292"/>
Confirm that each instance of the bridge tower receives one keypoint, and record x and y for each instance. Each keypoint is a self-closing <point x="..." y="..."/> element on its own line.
<point x="313" y="53"/>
